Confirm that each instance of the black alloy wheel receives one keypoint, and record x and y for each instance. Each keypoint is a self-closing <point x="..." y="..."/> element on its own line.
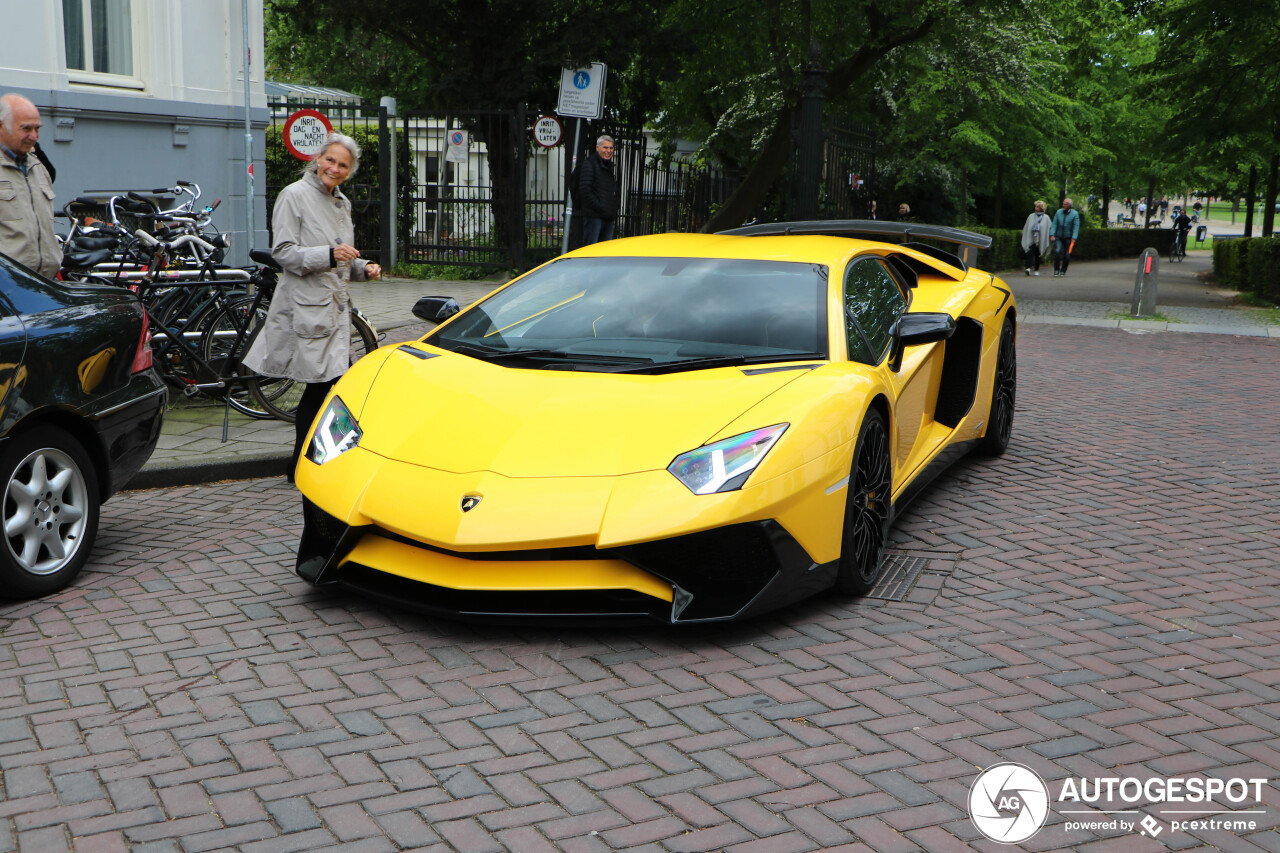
<point x="1004" y="393"/>
<point x="867" y="508"/>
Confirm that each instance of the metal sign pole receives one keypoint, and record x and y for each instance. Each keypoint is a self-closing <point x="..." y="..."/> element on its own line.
<point x="568" y="200"/>
<point x="248" y="125"/>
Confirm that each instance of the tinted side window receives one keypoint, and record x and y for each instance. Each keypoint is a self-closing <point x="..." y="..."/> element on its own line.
<point x="872" y="305"/>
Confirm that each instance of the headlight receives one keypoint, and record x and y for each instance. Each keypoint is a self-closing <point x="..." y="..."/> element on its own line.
<point x="336" y="433"/>
<point x="725" y="465"/>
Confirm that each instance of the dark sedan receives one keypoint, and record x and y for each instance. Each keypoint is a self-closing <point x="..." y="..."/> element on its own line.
<point x="80" y="412"/>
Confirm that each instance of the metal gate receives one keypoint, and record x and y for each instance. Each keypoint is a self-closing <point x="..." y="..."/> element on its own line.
<point x="467" y="203"/>
<point x="848" y="181"/>
<point x="473" y="189"/>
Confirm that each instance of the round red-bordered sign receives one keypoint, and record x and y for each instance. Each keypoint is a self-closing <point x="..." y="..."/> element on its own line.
<point x="547" y="131"/>
<point x="304" y="133"/>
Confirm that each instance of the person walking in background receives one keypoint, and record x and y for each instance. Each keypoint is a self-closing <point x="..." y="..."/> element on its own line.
<point x="601" y="195"/>
<point x="904" y="212"/>
<point x="1036" y="238"/>
<point x="307" y="334"/>
<point x="1066" y="228"/>
<point x="26" y="190"/>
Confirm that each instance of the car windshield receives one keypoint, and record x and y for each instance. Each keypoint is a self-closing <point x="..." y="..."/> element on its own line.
<point x="649" y="315"/>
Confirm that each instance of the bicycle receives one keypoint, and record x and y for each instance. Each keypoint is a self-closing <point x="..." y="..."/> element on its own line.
<point x="1178" y="248"/>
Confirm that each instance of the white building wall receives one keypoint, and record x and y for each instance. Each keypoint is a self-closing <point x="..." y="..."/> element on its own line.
<point x="179" y="115"/>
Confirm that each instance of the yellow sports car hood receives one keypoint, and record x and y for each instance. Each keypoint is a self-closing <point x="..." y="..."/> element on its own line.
<point x="459" y="414"/>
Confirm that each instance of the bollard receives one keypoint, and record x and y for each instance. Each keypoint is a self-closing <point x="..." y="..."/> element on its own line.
<point x="1144" y="286"/>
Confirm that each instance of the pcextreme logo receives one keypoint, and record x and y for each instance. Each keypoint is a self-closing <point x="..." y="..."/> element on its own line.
<point x="1009" y="803"/>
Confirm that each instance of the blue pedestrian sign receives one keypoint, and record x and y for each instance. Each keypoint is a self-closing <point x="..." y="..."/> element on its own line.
<point x="582" y="91"/>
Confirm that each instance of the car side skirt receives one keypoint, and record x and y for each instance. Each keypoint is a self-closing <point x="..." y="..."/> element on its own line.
<point x="947" y="457"/>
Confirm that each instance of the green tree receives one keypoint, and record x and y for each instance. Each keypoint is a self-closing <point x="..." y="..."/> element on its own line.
<point x="739" y="91"/>
<point x="1217" y="66"/>
<point x="463" y="56"/>
<point x="974" y="113"/>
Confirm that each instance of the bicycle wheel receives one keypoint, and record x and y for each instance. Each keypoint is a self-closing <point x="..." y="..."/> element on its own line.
<point x="364" y="338"/>
<point x="216" y="346"/>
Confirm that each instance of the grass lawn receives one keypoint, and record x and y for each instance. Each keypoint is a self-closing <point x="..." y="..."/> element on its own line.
<point x="1220" y="211"/>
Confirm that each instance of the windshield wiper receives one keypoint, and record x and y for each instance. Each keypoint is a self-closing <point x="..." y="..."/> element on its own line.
<point x="707" y="362"/>
<point x="487" y="354"/>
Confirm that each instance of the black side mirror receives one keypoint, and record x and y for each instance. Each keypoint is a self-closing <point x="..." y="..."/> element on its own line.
<point x="916" y="329"/>
<point x="435" y="309"/>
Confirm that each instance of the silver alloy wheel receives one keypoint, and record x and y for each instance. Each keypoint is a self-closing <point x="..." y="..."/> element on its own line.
<point x="46" y="511"/>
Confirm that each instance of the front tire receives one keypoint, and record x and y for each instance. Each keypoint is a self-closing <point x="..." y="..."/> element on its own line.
<point x="866" y="509"/>
<point x="1004" y="392"/>
<point x="50" y="512"/>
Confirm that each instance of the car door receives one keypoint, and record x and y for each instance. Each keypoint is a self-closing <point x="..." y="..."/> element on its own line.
<point x="13" y="345"/>
<point x="874" y="300"/>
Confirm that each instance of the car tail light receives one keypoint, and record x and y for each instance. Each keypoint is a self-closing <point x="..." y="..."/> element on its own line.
<point x="143" y="358"/>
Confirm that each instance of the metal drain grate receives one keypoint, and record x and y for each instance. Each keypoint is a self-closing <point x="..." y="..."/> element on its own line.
<point x="906" y="577"/>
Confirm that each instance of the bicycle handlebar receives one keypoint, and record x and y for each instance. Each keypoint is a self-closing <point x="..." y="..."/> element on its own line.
<point x="179" y="243"/>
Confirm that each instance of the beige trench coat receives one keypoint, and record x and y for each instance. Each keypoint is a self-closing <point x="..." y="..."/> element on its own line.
<point x="26" y="216"/>
<point x="307" y="334"/>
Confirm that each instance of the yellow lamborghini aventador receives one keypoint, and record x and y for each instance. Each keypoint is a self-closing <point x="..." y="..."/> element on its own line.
<point x="684" y="427"/>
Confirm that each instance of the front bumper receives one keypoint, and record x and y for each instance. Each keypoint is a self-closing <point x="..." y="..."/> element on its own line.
<point x="725" y="573"/>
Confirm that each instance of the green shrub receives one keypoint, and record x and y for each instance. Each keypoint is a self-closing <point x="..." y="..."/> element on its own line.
<point x="1231" y="261"/>
<point x="1262" y="267"/>
<point x="426" y="272"/>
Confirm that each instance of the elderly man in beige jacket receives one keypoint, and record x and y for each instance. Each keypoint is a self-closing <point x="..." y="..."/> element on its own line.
<point x="26" y="190"/>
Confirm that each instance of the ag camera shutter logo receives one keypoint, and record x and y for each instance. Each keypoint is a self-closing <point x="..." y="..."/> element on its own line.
<point x="1009" y="803"/>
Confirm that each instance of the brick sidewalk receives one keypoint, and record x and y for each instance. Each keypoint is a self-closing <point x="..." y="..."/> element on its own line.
<point x="1106" y="605"/>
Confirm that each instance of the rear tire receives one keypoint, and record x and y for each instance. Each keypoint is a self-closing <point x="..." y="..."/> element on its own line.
<point x="1004" y="392"/>
<point x="50" y="513"/>
<point x="866" y="509"/>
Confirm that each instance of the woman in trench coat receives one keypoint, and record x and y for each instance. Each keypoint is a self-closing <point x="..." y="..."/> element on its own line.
<point x="307" y="333"/>
<point x="1035" y="238"/>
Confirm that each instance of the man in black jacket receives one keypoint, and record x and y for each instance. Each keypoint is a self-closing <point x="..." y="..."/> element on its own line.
<point x="598" y="186"/>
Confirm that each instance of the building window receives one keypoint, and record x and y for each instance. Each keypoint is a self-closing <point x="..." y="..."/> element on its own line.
<point x="98" y="35"/>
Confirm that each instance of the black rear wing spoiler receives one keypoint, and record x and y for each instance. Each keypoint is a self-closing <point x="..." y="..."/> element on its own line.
<point x="875" y="229"/>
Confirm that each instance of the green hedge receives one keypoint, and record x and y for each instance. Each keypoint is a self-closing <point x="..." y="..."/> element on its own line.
<point x="1251" y="265"/>
<point x="1093" y="244"/>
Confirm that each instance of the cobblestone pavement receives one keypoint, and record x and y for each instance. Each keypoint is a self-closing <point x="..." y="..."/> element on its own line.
<point x="1099" y="602"/>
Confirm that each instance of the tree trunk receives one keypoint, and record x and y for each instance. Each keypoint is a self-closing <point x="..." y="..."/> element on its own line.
<point x="1269" y="209"/>
<point x="1250" y="198"/>
<point x="1151" y="195"/>
<point x="995" y="213"/>
<point x="508" y="227"/>
<point x="1106" y="205"/>
<point x="964" y="196"/>
<point x="762" y="175"/>
<point x="773" y="156"/>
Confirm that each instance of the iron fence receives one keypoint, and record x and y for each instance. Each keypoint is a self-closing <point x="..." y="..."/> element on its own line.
<point x="474" y="189"/>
